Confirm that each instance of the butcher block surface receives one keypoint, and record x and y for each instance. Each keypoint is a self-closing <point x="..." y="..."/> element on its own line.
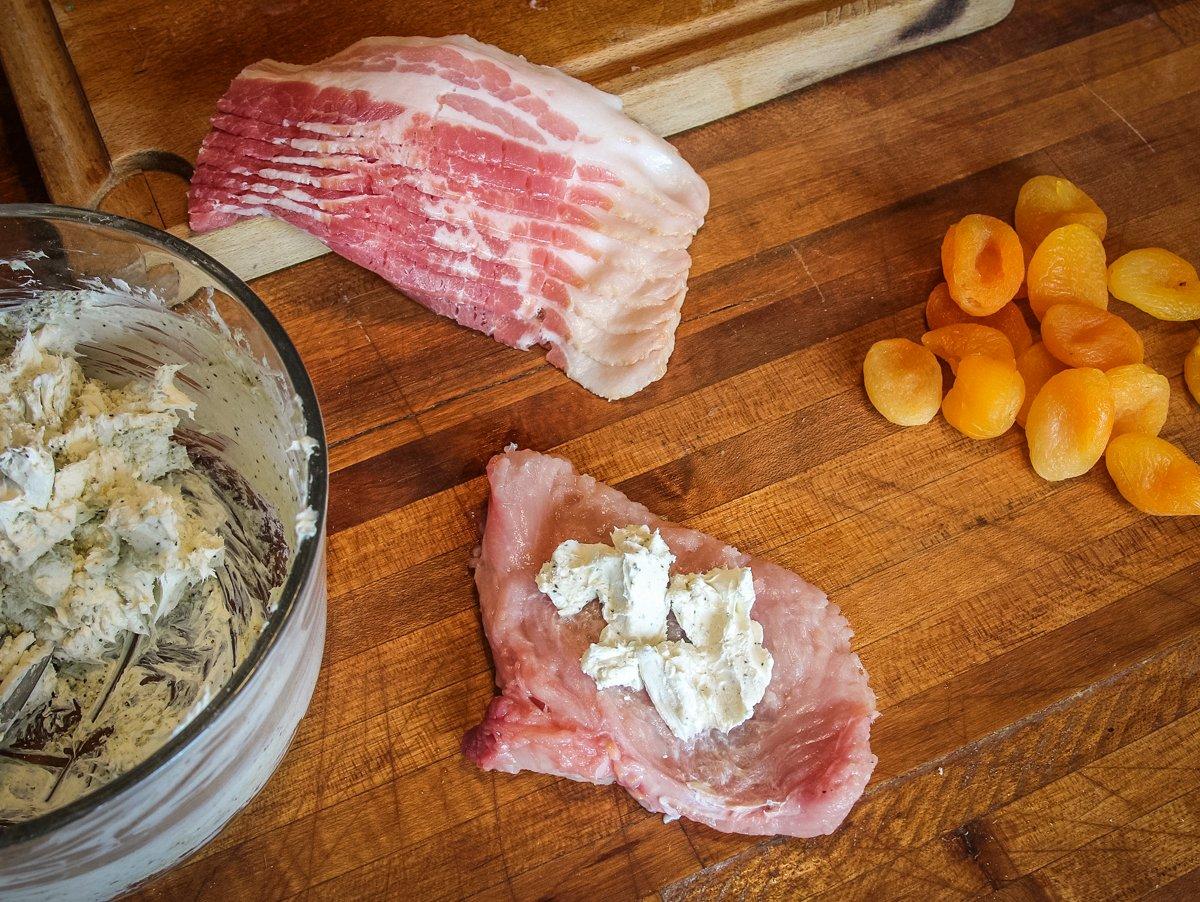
<point x="1035" y="647"/>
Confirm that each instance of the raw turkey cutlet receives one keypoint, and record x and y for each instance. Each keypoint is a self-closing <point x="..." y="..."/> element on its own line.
<point x="795" y="767"/>
<point x="507" y="196"/>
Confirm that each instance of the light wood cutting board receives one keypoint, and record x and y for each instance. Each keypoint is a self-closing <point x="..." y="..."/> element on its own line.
<point x="116" y="95"/>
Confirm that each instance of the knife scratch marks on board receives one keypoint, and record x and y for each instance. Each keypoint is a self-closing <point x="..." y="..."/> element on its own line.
<point x="811" y="278"/>
<point x="1116" y="113"/>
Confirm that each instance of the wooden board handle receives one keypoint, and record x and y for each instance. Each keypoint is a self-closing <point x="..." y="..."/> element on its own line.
<point x="73" y="159"/>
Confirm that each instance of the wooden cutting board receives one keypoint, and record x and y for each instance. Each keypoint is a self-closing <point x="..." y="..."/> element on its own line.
<point x="1035" y="648"/>
<point x="116" y="96"/>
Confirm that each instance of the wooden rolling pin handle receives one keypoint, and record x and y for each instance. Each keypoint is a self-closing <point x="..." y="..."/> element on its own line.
<point x="73" y="159"/>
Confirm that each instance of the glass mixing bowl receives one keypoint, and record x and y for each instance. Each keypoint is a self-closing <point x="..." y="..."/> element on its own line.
<point x="166" y="302"/>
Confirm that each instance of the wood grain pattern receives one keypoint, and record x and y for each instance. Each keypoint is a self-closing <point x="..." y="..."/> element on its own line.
<point x="1035" y="647"/>
<point x="101" y="76"/>
<point x="64" y="134"/>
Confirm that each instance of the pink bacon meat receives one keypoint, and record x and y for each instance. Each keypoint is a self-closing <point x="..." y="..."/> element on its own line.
<point x="795" y="767"/>
<point x="507" y="196"/>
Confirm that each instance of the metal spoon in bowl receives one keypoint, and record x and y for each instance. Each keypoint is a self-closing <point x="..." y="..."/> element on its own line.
<point x="17" y="693"/>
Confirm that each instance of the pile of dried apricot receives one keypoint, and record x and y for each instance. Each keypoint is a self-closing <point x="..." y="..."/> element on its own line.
<point x="1081" y="388"/>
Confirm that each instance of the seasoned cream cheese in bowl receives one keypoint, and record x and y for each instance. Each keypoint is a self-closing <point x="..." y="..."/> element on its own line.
<point x="110" y="543"/>
<point x="162" y="498"/>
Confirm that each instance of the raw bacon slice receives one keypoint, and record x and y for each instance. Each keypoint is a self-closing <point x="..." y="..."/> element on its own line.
<point x="795" y="768"/>
<point x="507" y="196"/>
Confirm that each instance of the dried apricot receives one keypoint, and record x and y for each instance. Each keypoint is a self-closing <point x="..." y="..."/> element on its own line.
<point x="985" y="397"/>
<point x="953" y="343"/>
<point x="1085" y="336"/>
<point x="1153" y="475"/>
<point x="1157" y="281"/>
<point x="1068" y="268"/>
<point x="983" y="263"/>
<point x="1011" y="321"/>
<point x="1140" y="399"/>
<point x="1047" y="202"/>
<point x="903" y="381"/>
<point x="1069" y="423"/>
<point x="1036" y="366"/>
<point x="940" y="310"/>
<point x="1027" y="250"/>
<point x="1191" y="371"/>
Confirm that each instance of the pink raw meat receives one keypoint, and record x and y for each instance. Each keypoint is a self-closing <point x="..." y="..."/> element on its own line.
<point x="795" y="768"/>
<point x="510" y="197"/>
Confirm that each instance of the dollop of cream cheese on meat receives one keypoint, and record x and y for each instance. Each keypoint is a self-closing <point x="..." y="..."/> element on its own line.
<point x="709" y="680"/>
<point x="96" y="536"/>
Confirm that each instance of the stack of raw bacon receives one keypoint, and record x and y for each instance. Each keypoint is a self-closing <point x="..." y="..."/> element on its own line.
<point x="507" y="196"/>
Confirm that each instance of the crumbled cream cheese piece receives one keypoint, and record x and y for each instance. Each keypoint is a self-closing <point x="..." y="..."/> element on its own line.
<point x="577" y="574"/>
<point x="710" y="680"/>
<point x="306" y="524"/>
<point x="612" y="665"/>
<point x="306" y="445"/>
<point x="96" y="535"/>
<point x="713" y="608"/>
<point x="722" y="671"/>
<point x="637" y="611"/>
